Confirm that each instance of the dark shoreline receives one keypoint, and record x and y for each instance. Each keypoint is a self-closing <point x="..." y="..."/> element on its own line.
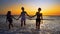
<point x="43" y="15"/>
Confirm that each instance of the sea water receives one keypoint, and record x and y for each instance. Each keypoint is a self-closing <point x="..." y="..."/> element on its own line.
<point x="51" y="23"/>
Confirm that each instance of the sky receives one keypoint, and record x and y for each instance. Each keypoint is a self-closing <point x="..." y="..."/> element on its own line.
<point x="49" y="7"/>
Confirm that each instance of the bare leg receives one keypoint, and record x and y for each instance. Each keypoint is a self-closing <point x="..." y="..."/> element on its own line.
<point x="21" y="23"/>
<point x="24" y="23"/>
<point x="39" y="25"/>
<point x="36" y="24"/>
<point x="9" y="25"/>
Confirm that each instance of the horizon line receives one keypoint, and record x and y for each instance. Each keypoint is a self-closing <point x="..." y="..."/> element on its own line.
<point x="31" y="15"/>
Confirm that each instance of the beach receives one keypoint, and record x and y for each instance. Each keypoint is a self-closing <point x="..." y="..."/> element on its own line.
<point x="47" y="27"/>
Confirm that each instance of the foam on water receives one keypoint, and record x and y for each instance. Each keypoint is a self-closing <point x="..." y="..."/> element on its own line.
<point x="47" y="27"/>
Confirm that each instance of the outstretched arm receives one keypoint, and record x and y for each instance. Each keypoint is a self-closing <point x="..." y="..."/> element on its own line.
<point x="18" y="17"/>
<point x="13" y="17"/>
<point x="34" y="16"/>
<point x="31" y="16"/>
<point x="28" y="15"/>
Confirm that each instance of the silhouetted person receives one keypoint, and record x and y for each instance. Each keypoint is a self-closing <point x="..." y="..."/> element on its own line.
<point x="38" y="19"/>
<point x="9" y="19"/>
<point x="23" y="17"/>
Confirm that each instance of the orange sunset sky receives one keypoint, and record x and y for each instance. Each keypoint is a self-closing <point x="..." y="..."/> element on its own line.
<point x="49" y="7"/>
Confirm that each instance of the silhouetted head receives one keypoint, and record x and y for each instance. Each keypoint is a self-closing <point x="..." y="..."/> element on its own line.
<point x="39" y="9"/>
<point x="22" y="8"/>
<point x="9" y="12"/>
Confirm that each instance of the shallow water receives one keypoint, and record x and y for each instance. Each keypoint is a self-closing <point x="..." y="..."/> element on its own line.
<point x="47" y="27"/>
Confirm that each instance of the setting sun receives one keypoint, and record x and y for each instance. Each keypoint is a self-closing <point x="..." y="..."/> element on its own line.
<point x="49" y="7"/>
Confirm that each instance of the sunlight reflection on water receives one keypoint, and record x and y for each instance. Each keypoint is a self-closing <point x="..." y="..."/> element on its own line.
<point x="47" y="27"/>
